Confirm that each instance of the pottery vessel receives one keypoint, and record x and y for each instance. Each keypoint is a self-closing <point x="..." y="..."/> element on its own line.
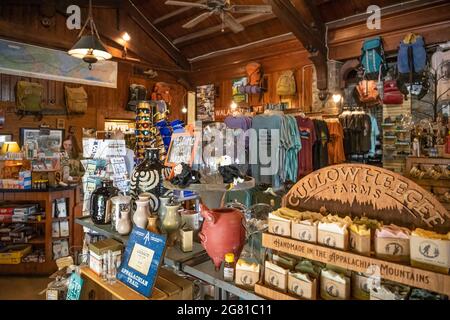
<point x="162" y="208"/>
<point x="140" y="216"/>
<point x="124" y="225"/>
<point x="152" y="224"/>
<point x="148" y="177"/>
<point x="222" y="232"/>
<point x="119" y="204"/>
<point x="101" y="202"/>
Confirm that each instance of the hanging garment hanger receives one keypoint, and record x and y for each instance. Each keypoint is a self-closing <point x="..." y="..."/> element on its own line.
<point x="271" y="192"/>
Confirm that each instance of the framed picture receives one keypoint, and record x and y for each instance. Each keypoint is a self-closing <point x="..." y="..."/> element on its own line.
<point x="182" y="149"/>
<point x="5" y="137"/>
<point x="48" y="141"/>
<point x="205" y="96"/>
<point x="239" y="97"/>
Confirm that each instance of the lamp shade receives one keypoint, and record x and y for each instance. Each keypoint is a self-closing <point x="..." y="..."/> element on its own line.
<point x="10" y="147"/>
<point x="89" y="45"/>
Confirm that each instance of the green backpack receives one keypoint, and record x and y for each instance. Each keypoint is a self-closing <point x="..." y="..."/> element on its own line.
<point x="29" y="97"/>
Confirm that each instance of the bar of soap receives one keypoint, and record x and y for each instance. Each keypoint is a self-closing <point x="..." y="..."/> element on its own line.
<point x="393" y="231"/>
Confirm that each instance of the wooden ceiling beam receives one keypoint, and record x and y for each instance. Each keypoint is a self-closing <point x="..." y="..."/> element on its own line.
<point x="194" y="37"/>
<point x="312" y="38"/>
<point x="142" y="21"/>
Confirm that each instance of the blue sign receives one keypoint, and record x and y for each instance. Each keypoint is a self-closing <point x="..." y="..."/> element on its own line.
<point x="142" y="258"/>
<point x="75" y="285"/>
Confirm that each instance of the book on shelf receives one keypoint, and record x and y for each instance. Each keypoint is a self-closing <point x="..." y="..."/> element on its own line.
<point x="55" y="229"/>
<point x="61" y="208"/>
<point x="64" y="228"/>
<point x="60" y="249"/>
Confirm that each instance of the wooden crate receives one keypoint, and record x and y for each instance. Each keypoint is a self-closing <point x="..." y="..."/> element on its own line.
<point x="168" y="286"/>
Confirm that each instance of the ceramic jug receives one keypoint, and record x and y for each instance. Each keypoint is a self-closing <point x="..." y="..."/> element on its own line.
<point x="162" y="208"/>
<point x="222" y="232"/>
<point x="124" y="225"/>
<point x="148" y="177"/>
<point x="101" y="202"/>
<point x="172" y="220"/>
<point x="140" y="216"/>
<point x="119" y="204"/>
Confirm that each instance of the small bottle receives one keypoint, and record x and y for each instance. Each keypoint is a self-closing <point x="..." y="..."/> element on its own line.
<point x="228" y="268"/>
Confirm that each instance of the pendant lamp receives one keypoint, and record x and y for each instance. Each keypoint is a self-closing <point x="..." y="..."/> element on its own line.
<point x="89" y="47"/>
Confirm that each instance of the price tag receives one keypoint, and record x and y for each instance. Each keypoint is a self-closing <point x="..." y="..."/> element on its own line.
<point x="74" y="289"/>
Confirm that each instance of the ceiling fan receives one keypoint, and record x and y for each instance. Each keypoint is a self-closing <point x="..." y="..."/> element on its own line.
<point x="224" y="8"/>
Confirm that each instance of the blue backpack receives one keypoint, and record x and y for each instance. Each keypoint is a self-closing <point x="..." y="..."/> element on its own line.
<point x="411" y="65"/>
<point x="412" y="58"/>
<point x="372" y="58"/>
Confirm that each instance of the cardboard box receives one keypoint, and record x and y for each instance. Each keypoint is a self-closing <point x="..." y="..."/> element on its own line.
<point x="392" y="249"/>
<point x="304" y="231"/>
<point x="331" y="289"/>
<point x="360" y="286"/>
<point x="96" y="261"/>
<point x="275" y="276"/>
<point x="279" y="226"/>
<point x="14" y="254"/>
<point x="332" y="239"/>
<point x="301" y="288"/>
<point x="389" y="291"/>
<point x="432" y="254"/>
<point x="359" y="243"/>
<point x="246" y="278"/>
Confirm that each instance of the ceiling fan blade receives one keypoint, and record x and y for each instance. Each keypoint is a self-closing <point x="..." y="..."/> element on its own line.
<point x="231" y="23"/>
<point x="251" y="9"/>
<point x="197" y="20"/>
<point x="186" y="4"/>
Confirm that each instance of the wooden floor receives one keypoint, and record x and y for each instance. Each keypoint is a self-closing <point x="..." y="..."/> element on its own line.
<point x="22" y="288"/>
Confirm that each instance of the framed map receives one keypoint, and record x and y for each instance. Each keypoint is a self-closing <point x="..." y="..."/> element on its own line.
<point x="27" y="60"/>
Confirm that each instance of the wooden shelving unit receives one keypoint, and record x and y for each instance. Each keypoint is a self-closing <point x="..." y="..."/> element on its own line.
<point x="45" y="198"/>
<point x="403" y="274"/>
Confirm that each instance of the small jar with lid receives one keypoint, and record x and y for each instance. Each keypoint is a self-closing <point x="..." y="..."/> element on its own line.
<point x="229" y="267"/>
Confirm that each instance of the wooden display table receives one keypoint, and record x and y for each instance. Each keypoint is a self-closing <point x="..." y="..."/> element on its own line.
<point x="168" y="286"/>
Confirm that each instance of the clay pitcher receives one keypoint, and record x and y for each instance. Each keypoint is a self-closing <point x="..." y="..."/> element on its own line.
<point x="222" y="232"/>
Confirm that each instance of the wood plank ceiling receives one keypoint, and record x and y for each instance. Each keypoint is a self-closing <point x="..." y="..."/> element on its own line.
<point x="207" y="37"/>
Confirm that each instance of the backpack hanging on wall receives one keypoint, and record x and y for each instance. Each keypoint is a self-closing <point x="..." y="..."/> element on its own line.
<point x="391" y="93"/>
<point x="255" y="73"/>
<point x="76" y="99"/>
<point x="411" y="64"/>
<point x="137" y="93"/>
<point x="286" y="84"/>
<point x="161" y="91"/>
<point x="29" y="98"/>
<point x="373" y="59"/>
<point x="367" y="92"/>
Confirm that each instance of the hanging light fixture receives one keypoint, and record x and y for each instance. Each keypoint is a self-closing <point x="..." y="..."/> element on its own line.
<point x="89" y="47"/>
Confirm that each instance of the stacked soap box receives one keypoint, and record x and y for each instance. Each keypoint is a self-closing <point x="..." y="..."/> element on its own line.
<point x="23" y="183"/>
<point x="12" y="212"/>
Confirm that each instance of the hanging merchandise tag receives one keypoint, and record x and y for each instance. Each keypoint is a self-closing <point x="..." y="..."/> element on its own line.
<point x="75" y="285"/>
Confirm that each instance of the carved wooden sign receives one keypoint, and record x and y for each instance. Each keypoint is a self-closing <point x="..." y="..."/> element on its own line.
<point x="357" y="190"/>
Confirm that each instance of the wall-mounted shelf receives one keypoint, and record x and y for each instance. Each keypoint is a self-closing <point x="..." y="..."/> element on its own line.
<point x="404" y="274"/>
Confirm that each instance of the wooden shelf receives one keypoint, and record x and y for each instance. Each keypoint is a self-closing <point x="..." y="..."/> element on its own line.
<point x="273" y="294"/>
<point x="60" y="238"/>
<point x="404" y="274"/>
